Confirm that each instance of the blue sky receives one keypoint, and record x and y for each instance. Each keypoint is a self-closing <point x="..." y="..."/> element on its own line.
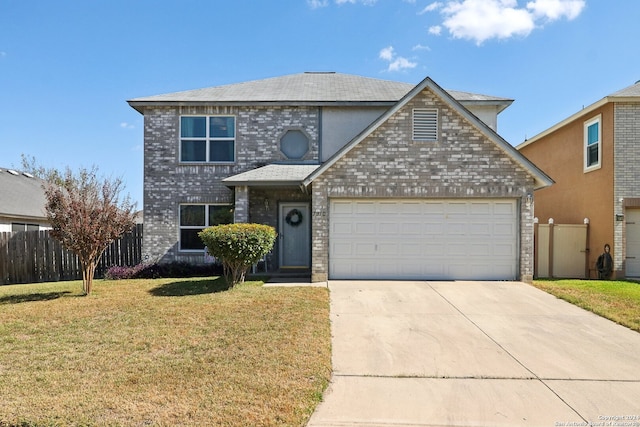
<point x="68" y="67"/>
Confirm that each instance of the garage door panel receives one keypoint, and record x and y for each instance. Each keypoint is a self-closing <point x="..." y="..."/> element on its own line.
<point x="423" y="239"/>
<point x="389" y="227"/>
<point x="504" y="208"/>
<point x="364" y="228"/>
<point x="363" y="208"/>
<point x="341" y="207"/>
<point x="503" y="250"/>
<point x="340" y="228"/>
<point x="504" y="229"/>
<point x="388" y="249"/>
<point x="477" y="208"/>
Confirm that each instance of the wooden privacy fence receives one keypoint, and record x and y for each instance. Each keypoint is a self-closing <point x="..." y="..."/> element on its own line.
<point x="35" y="256"/>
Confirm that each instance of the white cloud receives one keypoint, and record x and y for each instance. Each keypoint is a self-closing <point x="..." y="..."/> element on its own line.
<point x="314" y="4"/>
<point x="430" y="8"/>
<point x="396" y="63"/>
<point x="556" y="9"/>
<point x="481" y="20"/>
<point x="125" y="125"/>
<point x="387" y="53"/>
<point x="401" y="63"/>
<point x="365" y="2"/>
<point x="420" y="47"/>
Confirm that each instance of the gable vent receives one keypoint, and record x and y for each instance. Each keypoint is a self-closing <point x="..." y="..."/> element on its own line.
<point x="425" y="124"/>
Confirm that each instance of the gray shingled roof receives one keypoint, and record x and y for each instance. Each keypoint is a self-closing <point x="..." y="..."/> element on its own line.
<point x="633" y="90"/>
<point x="21" y="195"/>
<point x="315" y="88"/>
<point x="272" y="175"/>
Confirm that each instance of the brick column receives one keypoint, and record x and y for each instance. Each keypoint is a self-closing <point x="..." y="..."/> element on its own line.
<point x="241" y="211"/>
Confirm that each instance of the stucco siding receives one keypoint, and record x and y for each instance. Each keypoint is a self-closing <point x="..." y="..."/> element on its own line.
<point x="577" y="194"/>
<point x="462" y="163"/>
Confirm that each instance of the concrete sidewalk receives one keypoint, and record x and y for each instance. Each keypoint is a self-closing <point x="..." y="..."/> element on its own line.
<point x="474" y="354"/>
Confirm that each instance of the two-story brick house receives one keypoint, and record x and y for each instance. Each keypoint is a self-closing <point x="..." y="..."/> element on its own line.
<point x="593" y="157"/>
<point x="362" y="178"/>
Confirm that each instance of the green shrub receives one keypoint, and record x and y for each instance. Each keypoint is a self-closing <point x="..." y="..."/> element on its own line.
<point x="238" y="246"/>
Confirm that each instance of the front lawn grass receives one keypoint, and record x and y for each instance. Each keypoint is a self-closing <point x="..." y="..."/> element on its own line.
<point x="616" y="300"/>
<point x="162" y="352"/>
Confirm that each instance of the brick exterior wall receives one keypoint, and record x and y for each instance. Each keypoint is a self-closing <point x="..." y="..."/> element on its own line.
<point x="627" y="173"/>
<point x="168" y="183"/>
<point x="388" y="163"/>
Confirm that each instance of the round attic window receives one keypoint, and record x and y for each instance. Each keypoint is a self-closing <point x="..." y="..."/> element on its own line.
<point x="294" y="144"/>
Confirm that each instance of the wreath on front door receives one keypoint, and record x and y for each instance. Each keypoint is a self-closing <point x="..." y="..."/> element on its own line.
<point x="294" y="217"/>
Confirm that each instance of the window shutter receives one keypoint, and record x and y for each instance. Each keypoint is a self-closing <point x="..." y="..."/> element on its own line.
<point x="425" y="124"/>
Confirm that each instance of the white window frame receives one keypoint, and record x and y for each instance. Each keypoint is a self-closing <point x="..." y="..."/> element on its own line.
<point x="195" y="227"/>
<point x="208" y="139"/>
<point x="425" y="129"/>
<point x="587" y="124"/>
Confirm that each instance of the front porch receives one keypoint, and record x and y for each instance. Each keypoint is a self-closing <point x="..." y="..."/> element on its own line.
<point x="274" y="195"/>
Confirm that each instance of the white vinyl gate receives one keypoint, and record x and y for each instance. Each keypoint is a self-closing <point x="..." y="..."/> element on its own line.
<point x="466" y="239"/>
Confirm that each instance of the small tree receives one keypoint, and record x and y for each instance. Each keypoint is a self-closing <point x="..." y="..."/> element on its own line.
<point x="86" y="215"/>
<point x="238" y="247"/>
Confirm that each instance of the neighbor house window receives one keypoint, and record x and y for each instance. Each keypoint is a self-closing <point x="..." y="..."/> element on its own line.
<point x="207" y="139"/>
<point x="592" y="144"/>
<point x="194" y="218"/>
<point x="425" y="124"/>
<point x="18" y="226"/>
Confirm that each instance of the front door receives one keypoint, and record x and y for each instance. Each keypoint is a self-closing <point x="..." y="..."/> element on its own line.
<point x="294" y="236"/>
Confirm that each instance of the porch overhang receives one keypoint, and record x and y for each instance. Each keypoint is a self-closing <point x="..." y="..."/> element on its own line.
<point x="274" y="175"/>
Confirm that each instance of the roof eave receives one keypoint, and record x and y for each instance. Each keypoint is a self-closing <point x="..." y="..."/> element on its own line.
<point x="501" y="105"/>
<point x="140" y="106"/>
<point x="260" y="183"/>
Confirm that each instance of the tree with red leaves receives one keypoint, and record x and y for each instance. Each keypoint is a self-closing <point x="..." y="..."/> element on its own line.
<point x="86" y="214"/>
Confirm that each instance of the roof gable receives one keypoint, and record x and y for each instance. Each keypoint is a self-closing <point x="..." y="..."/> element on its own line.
<point x="541" y="179"/>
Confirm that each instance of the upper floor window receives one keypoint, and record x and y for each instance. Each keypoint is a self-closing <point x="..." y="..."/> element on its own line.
<point x="592" y="143"/>
<point x="294" y="144"/>
<point x="195" y="218"/>
<point x="207" y="139"/>
<point x="425" y="124"/>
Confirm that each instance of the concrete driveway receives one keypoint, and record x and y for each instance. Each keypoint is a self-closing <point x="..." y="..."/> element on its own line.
<point x="474" y="354"/>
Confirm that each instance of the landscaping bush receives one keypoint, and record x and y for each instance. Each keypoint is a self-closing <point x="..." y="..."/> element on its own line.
<point x="238" y="246"/>
<point x="164" y="270"/>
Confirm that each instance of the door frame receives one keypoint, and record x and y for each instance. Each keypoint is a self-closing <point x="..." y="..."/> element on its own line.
<point x="281" y="208"/>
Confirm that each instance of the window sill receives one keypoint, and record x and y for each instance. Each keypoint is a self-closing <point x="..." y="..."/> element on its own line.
<point x="592" y="168"/>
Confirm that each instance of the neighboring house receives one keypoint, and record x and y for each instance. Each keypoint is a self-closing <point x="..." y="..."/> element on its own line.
<point x="362" y="178"/>
<point x="22" y="202"/>
<point x="594" y="157"/>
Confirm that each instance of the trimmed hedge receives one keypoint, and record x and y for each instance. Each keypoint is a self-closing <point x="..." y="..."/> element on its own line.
<point x="238" y="246"/>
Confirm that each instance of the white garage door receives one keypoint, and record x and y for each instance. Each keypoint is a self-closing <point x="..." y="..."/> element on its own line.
<point x="423" y="239"/>
<point x="633" y="243"/>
